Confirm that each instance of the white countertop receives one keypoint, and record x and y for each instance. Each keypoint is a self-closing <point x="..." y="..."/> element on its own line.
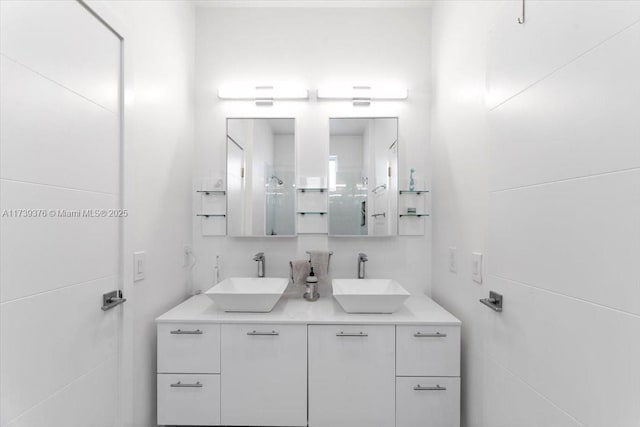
<point x="417" y="310"/>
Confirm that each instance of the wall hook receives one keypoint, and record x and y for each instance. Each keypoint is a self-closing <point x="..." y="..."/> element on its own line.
<point x="521" y="19"/>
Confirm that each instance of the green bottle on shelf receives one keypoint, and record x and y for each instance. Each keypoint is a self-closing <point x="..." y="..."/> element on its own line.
<point x="412" y="186"/>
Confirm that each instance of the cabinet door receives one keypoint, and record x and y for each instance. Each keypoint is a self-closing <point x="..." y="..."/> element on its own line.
<point x="428" y="402"/>
<point x="264" y="375"/>
<point x="351" y="376"/>
<point x="188" y="399"/>
<point x="188" y="348"/>
<point x="428" y="351"/>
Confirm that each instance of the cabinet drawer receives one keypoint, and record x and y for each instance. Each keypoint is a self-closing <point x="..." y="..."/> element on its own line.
<point x="188" y="348"/>
<point x="264" y="375"/>
<point x="432" y="402"/>
<point x="188" y="399"/>
<point x="430" y="351"/>
<point x="351" y="376"/>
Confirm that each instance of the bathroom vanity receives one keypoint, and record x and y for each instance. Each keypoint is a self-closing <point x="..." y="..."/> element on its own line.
<point x="309" y="364"/>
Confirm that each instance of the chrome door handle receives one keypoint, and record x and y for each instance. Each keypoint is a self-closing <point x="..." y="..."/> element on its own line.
<point x="263" y="333"/>
<point x="180" y="385"/>
<point x="347" y="334"/>
<point x="436" y="335"/>
<point x="494" y="302"/>
<point x="112" y="299"/>
<point x="181" y="332"/>
<point x="436" y="388"/>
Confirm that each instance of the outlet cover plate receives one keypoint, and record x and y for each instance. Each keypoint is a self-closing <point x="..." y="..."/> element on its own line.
<point x="453" y="260"/>
<point x="476" y="267"/>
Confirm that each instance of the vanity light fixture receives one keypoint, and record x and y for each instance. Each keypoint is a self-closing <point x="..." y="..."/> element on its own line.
<point x="362" y="95"/>
<point x="263" y="95"/>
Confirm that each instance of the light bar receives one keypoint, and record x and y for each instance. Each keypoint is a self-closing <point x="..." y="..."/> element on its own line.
<point x="262" y="94"/>
<point x="363" y="94"/>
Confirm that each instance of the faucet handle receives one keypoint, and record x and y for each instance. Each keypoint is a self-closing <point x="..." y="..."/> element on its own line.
<point x="363" y="257"/>
<point x="258" y="256"/>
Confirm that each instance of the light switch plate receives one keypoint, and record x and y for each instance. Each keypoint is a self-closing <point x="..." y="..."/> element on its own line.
<point x="476" y="267"/>
<point x="138" y="266"/>
<point x="453" y="260"/>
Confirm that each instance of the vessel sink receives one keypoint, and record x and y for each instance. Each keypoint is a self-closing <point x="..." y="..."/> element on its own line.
<point x="369" y="295"/>
<point x="248" y="294"/>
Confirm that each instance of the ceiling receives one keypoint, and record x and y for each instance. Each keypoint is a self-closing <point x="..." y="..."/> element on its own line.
<point x="314" y="3"/>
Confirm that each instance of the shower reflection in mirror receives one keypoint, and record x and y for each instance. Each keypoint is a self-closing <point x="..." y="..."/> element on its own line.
<point x="363" y="180"/>
<point x="261" y="177"/>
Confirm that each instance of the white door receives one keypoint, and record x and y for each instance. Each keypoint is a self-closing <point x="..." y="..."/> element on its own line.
<point x="351" y="376"/>
<point x="60" y="235"/>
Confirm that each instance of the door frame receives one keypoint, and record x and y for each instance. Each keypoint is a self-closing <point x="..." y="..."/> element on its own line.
<point x="102" y="12"/>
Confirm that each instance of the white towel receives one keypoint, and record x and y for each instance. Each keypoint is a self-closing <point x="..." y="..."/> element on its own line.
<point x="299" y="271"/>
<point x="320" y="263"/>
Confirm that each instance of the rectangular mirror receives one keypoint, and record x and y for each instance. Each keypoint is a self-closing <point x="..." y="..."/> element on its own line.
<point x="363" y="176"/>
<point x="261" y="177"/>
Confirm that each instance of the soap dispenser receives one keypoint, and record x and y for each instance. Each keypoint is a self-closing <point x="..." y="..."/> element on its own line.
<point x="312" y="286"/>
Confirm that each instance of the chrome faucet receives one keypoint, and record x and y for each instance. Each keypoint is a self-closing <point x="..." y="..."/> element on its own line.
<point x="362" y="258"/>
<point x="259" y="257"/>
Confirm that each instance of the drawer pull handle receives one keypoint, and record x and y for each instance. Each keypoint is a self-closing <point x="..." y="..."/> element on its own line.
<point x="436" y="388"/>
<point x="436" y="335"/>
<point x="263" y="333"/>
<point x="346" y="334"/>
<point x="180" y="385"/>
<point x="181" y="332"/>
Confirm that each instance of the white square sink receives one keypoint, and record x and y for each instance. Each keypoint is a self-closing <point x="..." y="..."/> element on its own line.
<point x="248" y="294"/>
<point x="369" y="295"/>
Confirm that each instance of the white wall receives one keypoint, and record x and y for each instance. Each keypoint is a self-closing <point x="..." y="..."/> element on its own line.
<point x="312" y="47"/>
<point x="161" y="119"/>
<point x="544" y="179"/>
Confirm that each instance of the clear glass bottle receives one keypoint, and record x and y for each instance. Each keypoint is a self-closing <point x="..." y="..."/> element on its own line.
<point x="312" y="287"/>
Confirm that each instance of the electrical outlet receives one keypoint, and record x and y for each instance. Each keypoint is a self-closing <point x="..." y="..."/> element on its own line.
<point x="476" y="267"/>
<point x="187" y="251"/>
<point x="138" y="266"/>
<point x="453" y="260"/>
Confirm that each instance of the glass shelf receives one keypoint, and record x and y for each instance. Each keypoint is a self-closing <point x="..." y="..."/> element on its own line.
<point x="208" y="215"/>
<point x="416" y="215"/>
<point x="207" y="192"/>
<point x="321" y="190"/>
<point x="413" y="192"/>
<point x="311" y="213"/>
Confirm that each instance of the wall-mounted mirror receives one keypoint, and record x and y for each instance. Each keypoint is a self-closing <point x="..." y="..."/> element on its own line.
<point x="261" y="177"/>
<point x="363" y="176"/>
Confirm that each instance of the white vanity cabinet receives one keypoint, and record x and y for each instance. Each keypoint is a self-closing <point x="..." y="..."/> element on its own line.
<point x="310" y="365"/>
<point x="264" y="375"/>
<point x="351" y="375"/>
